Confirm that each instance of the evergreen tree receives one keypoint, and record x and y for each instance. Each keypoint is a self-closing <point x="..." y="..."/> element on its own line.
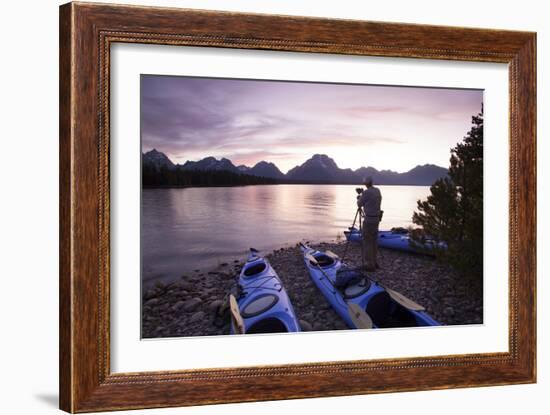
<point x="453" y="212"/>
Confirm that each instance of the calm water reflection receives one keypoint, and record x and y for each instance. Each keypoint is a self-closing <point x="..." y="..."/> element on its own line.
<point x="197" y="228"/>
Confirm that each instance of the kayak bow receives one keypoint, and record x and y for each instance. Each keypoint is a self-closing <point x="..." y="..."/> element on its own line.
<point x="263" y="305"/>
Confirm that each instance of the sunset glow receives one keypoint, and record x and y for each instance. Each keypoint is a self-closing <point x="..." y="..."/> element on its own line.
<point x="286" y="123"/>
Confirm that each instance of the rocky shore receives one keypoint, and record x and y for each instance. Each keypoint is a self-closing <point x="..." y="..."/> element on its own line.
<point x="190" y="306"/>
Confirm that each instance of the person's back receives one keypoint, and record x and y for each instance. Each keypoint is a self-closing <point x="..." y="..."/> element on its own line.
<point x="370" y="200"/>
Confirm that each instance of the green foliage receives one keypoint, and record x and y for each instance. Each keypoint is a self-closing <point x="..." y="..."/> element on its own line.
<point x="453" y="212"/>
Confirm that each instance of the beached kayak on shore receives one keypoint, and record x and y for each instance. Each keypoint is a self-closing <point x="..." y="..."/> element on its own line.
<point x="399" y="240"/>
<point x="262" y="305"/>
<point x="358" y="299"/>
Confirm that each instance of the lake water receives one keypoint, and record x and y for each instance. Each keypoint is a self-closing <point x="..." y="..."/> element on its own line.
<point x="199" y="228"/>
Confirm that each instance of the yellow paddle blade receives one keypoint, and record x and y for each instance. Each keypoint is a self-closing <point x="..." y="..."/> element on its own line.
<point x="236" y="318"/>
<point x="311" y="259"/>
<point x="404" y="301"/>
<point x="331" y="254"/>
<point x="359" y="317"/>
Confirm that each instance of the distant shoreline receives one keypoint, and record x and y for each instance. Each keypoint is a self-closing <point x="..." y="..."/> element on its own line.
<point x="159" y="170"/>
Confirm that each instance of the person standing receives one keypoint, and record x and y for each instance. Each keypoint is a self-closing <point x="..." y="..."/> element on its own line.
<point x="370" y="201"/>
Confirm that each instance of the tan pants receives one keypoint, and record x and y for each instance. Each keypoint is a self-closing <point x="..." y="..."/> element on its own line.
<point x="370" y="244"/>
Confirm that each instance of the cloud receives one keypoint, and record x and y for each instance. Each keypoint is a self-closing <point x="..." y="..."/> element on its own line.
<point x="372" y="110"/>
<point x="191" y="118"/>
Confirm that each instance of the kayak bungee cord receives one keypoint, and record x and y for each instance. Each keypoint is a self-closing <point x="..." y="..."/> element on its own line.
<point x="265" y="280"/>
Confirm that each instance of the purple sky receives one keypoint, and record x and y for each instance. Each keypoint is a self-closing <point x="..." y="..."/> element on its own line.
<point x="286" y="123"/>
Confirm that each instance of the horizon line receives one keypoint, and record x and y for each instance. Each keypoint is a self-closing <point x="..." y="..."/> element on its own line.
<point x="266" y="161"/>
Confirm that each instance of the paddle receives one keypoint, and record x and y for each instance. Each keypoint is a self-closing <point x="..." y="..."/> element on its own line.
<point x="236" y="318"/>
<point x="359" y="317"/>
<point x="331" y="254"/>
<point x="404" y="301"/>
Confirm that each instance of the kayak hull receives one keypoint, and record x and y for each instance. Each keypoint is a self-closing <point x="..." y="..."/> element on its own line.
<point x="368" y="295"/>
<point x="263" y="302"/>
<point x="397" y="241"/>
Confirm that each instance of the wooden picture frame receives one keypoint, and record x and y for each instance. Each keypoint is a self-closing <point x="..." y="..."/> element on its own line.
<point x="86" y="33"/>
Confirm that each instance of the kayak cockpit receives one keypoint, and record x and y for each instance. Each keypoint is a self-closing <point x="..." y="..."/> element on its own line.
<point x="386" y="313"/>
<point x="254" y="269"/>
<point x="323" y="260"/>
<point x="267" y="325"/>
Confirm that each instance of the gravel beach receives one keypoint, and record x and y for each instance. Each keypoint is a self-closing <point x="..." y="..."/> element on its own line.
<point x="189" y="307"/>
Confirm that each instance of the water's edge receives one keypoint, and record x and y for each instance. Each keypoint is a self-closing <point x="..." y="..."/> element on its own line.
<point x="185" y="229"/>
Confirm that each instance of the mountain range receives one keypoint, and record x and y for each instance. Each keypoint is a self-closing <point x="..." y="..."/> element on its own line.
<point x="320" y="168"/>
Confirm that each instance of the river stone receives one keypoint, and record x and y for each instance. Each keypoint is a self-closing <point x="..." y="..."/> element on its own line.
<point x="149" y="294"/>
<point x="325" y="306"/>
<point x="198" y="316"/>
<point x="305" y="326"/>
<point x="171" y="291"/>
<point x="452" y="301"/>
<point x="308" y="317"/>
<point x="340" y="325"/>
<point x="186" y="285"/>
<point x="178" y="305"/>
<point x="227" y="276"/>
<point x="192" y="304"/>
<point x="318" y="326"/>
<point x="152" y="302"/>
<point x="214" y="305"/>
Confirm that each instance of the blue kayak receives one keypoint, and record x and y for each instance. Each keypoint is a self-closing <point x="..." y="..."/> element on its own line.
<point x="343" y="286"/>
<point x="263" y="304"/>
<point x="398" y="240"/>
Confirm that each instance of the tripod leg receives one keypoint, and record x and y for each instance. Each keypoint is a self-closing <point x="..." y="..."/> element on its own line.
<point x="361" y="230"/>
<point x="353" y="226"/>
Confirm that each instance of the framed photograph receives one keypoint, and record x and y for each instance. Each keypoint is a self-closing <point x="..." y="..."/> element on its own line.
<point x="258" y="207"/>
